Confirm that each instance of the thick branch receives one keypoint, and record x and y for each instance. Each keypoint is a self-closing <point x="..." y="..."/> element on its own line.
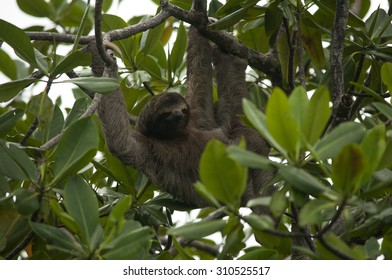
<point x="341" y="101"/>
<point x="98" y="33"/>
<point x="113" y="35"/>
<point x="267" y="63"/>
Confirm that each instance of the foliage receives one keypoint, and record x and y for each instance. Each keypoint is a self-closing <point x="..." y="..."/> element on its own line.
<point x="72" y="199"/>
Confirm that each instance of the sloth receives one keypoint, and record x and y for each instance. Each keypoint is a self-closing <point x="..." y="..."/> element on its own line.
<point x="172" y="131"/>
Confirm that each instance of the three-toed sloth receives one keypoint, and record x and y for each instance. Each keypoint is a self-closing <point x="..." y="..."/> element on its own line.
<point x="172" y="131"/>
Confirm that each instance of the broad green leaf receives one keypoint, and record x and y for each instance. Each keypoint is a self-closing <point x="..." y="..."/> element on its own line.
<point x="57" y="123"/>
<point x="15" y="163"/>
<point x="279" y="203"/>
<point x="311" y="40"/>
<point x="386" y="75"/>
<point x="248" y="158"/>
<point x="281" y="123"/>
<point x="302" y="181"/>
<point x="273" y="19"/>
<point x="316" y="211"/>
<point x="225" y="179"/>
<point x="76" y="148"/>
<point x="259" y="223"/>
<point x="95" y="84"/>
<point x="131" y="243"/>
<point x="36" y="8"/>
<point x="339" y="245"/>
<point x="299" y="103"/>
<point x="205" y="193"/>
<point x="228" y="20"/>
<point x="71" y="61"/>
<point x="258" y="121"/>
<point x="66" y="219"/>
<point x="26" y="202"/>
<point x="41" y="106"/>
<point x="8" y="120"/>
<point x="18" y="40"/>
<point x="331" y="144"/>
<point x="386" y="246"/>
<point x="81" y="204"/>
<point x="149" y="40"/>
<point x="347" y="169"/>
<point x="198" y="230"/>
<point x="116" y="217"/>
<point x="56" y="237"/>
<point x="112" y="22"/>
<point x="261" y="254"/>
<point x="373" y="147"/>
<point x="317" y="115"/>
<point x="79" y="107"/>
<point x="179" y="48"/>
<point x="234" y="242"/>
<point x="150" y="65"/>
<point x="384" y="109"/>
<point x="11" y="89"/>
<point x="7" y="65"/>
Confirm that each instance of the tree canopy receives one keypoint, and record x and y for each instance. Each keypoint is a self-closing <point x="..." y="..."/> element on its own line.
<point x="320" y="80"/>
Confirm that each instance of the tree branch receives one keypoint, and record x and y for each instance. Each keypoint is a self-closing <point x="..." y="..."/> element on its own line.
<point x="341" y="101"/>
<point x="267" y="63"/>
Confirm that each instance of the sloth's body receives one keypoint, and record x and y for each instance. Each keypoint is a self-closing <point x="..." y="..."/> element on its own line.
<point x="172" y="131"/>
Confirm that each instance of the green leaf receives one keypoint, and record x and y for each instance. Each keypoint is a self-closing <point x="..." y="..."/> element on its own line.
<point x="179" y="48"/>
<point x="131" y="243"/>
<point x="116" y="217"/>
<point x="234" y="242"/>
<point x="259" y="223"/>
<point x="316" y="211"/>
<point x="386" y="75"/>
<point x="339" y="245"/>
<point x="248" y="158"/>
<point x="149" y="40"/>
<point x="81" y="204"/>
<point x="279" y="203"/>
<point x="299" y="103"/>
<point x="373" y="148"/>
<point x="11" y="89"/>
<point x="71" y="61"/>
<point x="261" y="254"/>
<point x="112" y="22"/>
<point x="302" y="181"/>
<point x="66" y="219"/>
<point x="347" y="169"/>
<point x="273" y="19"/>
<point x="281" y="123"/>
<point x="198" y="230"/>
<point x="311" y="40"/>
<point x="317" y="115"/>
<point x="18" y="40"/>
<point x="26" y="202"/>
<point x="331" y="144"/>
<point x="15" y="163"/>
<point x="95" y="84"/>
<point x="36" y="8"/>
<point x="384" y="109"/>
<point x="228" y="20"/>
<point x="8" y="120"/>
<point x="7" y="65"/>
<point x="41" y="106"/>
<point x="225" y="179"/>
<point x="78" y="108"/>
<point x="76" y="148"/>
<point x="56" y="237"/>
<point x="258" y="121"/>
